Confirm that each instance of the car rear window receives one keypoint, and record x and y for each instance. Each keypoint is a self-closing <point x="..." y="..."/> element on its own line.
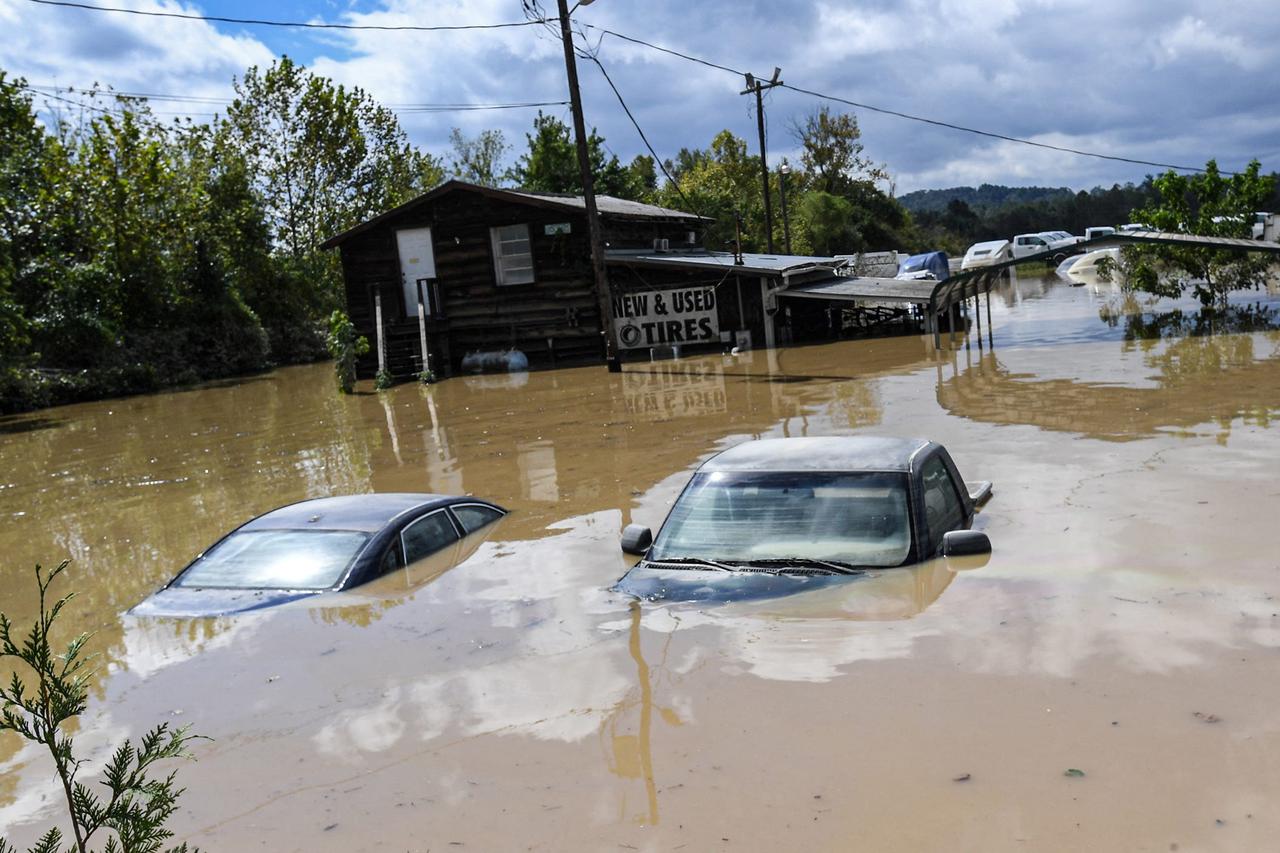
<point x="276" y="559"/>
<point x="857" y="518"/>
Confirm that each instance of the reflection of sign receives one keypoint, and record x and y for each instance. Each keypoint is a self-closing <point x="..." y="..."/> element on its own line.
<point x="556" y="228"/>
<point x="667" y="390"/>
<point x="666" y="317"/>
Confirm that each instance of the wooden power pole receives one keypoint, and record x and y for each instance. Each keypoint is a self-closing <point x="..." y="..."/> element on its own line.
<point x="758" y="87"/>
<point x="596" y="233"/>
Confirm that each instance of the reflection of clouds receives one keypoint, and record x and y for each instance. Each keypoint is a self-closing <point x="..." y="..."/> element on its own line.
<point x="150" y="645"/>
<point x="537" y="662"/>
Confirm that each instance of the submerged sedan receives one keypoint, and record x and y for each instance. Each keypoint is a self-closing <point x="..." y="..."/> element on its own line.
<point x="317" y="546"/>
<point x="777" y="516"/>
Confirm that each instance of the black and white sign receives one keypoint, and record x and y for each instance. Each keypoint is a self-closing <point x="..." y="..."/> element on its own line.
<point x="666" y="317"/>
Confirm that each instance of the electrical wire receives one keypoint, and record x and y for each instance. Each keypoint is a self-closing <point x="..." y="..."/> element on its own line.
<point x="915" y="118"/>
<point x="47" y="90"/>
<point x="644" y="138"/>
<point x="310" y="25"/>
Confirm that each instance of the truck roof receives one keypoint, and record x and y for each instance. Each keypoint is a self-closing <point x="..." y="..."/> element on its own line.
<point x="825" y="453"/>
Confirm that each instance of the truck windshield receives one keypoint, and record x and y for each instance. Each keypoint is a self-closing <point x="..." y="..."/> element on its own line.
<point x="276" y="559"/>
<point x="857" y="518"/>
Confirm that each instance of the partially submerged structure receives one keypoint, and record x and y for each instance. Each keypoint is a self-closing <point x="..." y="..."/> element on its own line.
<point x="465" y="270"/>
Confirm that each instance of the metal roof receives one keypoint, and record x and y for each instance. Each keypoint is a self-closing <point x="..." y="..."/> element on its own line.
<point x="606" y="205"/>
<point x="824" y="453"/>
<point x="862" y="289"/>
<point x="756" y="264"/>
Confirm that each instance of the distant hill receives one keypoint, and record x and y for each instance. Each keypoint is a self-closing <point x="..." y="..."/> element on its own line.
<point x="984" y="198"/>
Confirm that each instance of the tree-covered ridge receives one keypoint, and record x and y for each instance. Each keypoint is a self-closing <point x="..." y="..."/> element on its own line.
<point x="981" y="198"/>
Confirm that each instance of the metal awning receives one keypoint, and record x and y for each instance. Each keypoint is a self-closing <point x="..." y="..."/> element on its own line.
<point x="847" y="289"/>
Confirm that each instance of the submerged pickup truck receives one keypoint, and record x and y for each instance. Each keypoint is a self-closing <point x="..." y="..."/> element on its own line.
<point x="782" y="515"/>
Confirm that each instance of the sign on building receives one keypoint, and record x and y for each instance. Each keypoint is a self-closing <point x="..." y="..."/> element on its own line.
<point x="666" y="317"/>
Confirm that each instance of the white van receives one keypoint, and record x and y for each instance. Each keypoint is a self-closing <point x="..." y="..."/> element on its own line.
<point x="1266" y="226"/>
<point x="986" y="254"/>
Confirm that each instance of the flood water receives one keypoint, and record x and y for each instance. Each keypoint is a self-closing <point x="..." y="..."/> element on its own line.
<point x="1127" y="624"/>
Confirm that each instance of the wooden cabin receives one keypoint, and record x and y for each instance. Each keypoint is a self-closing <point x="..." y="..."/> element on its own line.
<point x="491" y="270"/>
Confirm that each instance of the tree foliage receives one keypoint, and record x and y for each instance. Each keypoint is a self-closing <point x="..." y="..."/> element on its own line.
<point x="1208" y="204"/>
<point x="478" y="159"/>
<point x="550" y="163"/>
<point x="136" y="805"/>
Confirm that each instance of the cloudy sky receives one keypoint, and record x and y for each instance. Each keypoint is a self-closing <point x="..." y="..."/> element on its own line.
<point x="1179" y="81"/>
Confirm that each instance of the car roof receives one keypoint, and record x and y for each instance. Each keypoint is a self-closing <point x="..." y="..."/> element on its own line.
<point x="826" y="453"/>
<point x="369" y="512"/>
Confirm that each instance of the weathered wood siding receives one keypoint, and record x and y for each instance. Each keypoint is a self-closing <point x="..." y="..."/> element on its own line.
<point x="553" y="319"/>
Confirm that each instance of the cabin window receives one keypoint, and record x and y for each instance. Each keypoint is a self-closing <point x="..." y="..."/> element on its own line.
<point x="512" y="254"/>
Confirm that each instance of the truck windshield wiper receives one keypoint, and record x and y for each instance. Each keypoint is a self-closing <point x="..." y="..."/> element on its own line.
<point x="692" y="561"/>
<point x="832" y="566"/>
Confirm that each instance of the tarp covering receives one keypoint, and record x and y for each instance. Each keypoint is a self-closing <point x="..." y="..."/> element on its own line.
<point x="934" y="263"/>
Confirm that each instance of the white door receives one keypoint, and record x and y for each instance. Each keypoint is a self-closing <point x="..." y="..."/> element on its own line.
<point x="417" y="260"/>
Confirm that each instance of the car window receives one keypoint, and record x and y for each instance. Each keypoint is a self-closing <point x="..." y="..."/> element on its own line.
<point x="427" y="535"/>
<point x="942" y="507"/>
<point x="391" y="559"/>
<point x="474" y="516"/>
<point x="276" y="559"/>
<point x="851" y="517"/>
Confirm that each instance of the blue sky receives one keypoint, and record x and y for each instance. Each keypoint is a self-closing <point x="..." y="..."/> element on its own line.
<point x="1176" y="82"/>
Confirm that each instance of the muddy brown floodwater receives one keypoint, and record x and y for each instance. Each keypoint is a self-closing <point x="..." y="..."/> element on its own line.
<point x="513" y="702"/>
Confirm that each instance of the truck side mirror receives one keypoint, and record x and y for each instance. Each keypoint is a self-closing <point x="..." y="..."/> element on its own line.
<point x="636" y="539"/>
<point x="960" y="543"/>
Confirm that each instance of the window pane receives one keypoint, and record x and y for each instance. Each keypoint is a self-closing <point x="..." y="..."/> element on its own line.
<point x="473" y="516"/>
<point x="427" y="535"/>
<point x="856" y="518"/>
<point x="276" y="559"/>
<point x="512" y="254"/>
<point x="942" y="506"/>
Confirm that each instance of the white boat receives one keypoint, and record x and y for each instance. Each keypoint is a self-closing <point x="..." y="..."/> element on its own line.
<point x="1085" y="267"/>
<point x="985" y="254"/>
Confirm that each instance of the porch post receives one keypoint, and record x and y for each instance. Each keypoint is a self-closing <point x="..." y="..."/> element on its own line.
<point x="422" y="327"/>
<point x="377" y="319"/>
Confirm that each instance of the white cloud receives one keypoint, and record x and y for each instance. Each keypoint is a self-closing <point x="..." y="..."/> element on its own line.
<point x="1179" y="82"/>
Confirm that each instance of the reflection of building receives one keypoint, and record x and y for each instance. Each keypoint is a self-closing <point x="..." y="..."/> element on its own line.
<point x="566" y="442"/>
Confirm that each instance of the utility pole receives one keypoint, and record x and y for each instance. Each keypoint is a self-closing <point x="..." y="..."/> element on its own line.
<point x="594" y="230"/>
<point x="758" y="87"/>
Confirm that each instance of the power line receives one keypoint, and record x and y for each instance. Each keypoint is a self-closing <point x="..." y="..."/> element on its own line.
<point x="643" y="138"/>
<point x="194" y="99"/>
<point x="910" y="117"/>
<point x="310" y="25"/>
<point x="994" y="135"/>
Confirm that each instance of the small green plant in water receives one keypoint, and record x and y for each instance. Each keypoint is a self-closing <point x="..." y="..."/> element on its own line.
<point x="137" y="805"/>
<point x="427" y="377"/>
<point x="383" y="379"/>
<point x="346" y="345"/>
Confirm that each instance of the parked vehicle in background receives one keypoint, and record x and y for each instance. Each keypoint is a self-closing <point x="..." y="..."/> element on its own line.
<point x="1065" y="237"/>
<point x="1025" y="245"/>
<point x="1098" y="231"/>
<point x="1135" y="226"/>
<point x="986" y="254"/>
<point x="1266" y="226"/>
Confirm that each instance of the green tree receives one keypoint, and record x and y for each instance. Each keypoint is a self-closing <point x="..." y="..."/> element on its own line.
<point x="324" y="158"/>
<point x="22" y="147"/>
<point x="137" y="805"/>
<point x="722" y="183"/>
<point x="478" y="159"/>
<point x="833" y="152"/>
<point x="550" y="163"/>
<point x="346" y="345"/>
<point x="1207" y="204"/>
